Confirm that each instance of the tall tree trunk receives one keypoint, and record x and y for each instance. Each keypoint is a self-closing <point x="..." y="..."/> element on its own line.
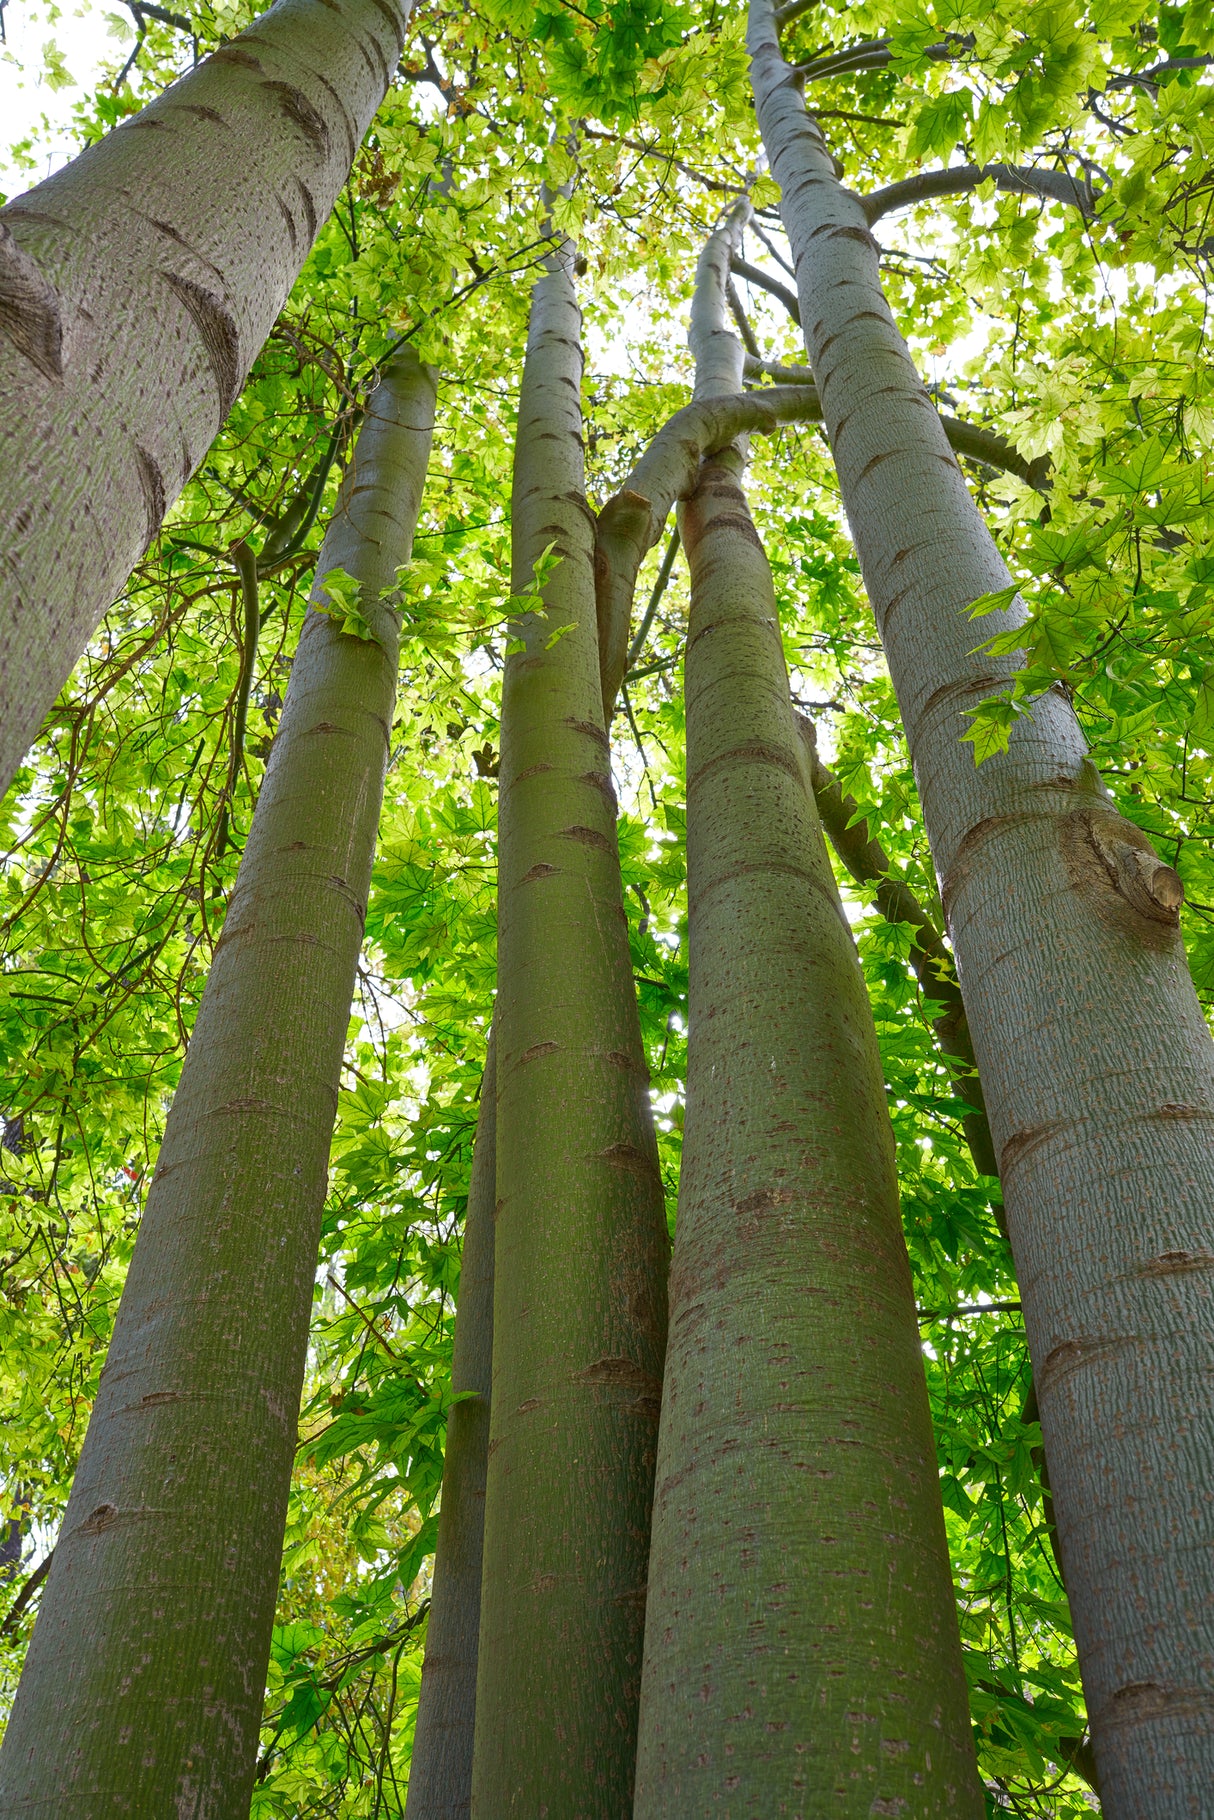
<point x="440" y="1769"/>
<point x="801" y="1648"/>
<point x="1096" y="1062"/>
<point x="137" y="286"/>
<point x="142" y="1691"/>
<point x="581" y="1248"/>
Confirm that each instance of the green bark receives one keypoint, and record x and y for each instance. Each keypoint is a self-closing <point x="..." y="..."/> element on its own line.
<point x="440" y="1769"/>
<point x="581" y="1248"/>
<point x="142" y="1690"/>
<point x="801" y="1649"/>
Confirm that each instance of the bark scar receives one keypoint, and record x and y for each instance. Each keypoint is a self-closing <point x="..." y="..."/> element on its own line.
<point x="31" y="314"/>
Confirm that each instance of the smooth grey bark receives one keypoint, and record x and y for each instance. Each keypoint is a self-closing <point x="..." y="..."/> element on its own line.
<point x="1096" y="1062"/>
<point x="143" y="1686"/>
<point x="802" y="1656"/>
<point x="137" y="285"/>
<point x="440" y="1769"/>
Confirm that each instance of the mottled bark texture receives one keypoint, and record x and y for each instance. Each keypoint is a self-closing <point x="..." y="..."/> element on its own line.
<point x="142" y="1691"/>
<point x="1095" y="1059"/>
<point x="440" y="1768"/>
<point x="801" y="1649"/>
<point x="137" y="285"/>
<point x="581" y="1249"/>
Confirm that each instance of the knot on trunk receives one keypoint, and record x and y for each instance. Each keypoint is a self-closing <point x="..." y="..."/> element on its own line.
<point x="1134" y="868"/>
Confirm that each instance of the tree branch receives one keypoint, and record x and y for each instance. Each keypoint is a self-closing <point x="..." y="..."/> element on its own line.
<point x="659" y="588"/>
<point x="793" y="9"/>
<point x="874" y="55"/>
<point x="753" y="275"/>
<point x="740" y="317"/>
<point x="1013" y="179"/>
<point x="969" y="439"/>
<point x="1148" y="77"/>
<point x="26" y="1594"/>
<point x="246" y="568"/>
<point x="632" y="520"/>
<point x="868" y="863"/>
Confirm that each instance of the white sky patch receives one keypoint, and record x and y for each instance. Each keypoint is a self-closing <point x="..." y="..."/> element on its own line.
<point x="51" y="58"/>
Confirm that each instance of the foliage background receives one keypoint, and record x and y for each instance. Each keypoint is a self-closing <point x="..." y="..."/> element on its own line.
<point x="1084" y="339"/>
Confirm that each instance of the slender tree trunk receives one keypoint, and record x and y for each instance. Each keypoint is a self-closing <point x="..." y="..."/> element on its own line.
<point x="581" y="1248"/>
<point x="440" y="1770"/>
<point x="142" y="1691"/>
<point x="1095" y="1059"/>
<point x="801" y="1648"/>
<point x="137" y="286"/>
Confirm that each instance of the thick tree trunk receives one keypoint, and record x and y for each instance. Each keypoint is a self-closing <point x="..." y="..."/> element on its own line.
<point x="581" y="1248"/>
<point x="801" y="1648"/>
<point x="1096" y="1063"/>
<point x="440" y="1769"/>
<point x="142" y="1691"/>
<point x="137" y="286"/>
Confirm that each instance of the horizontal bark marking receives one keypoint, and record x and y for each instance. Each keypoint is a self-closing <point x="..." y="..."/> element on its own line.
<point x="151" y="485"/>
<point x="1087" y="1349"/>
<point x="525" y="1408"/>
<point x="328" y="726"/>
<point x="339" y="104"/>
<point x="1175" y="1263"/>
<point x="99" y="1519"/>
<point x="536" y="1050"/>
<point x="539" y="870"/>
<point x="1142" y="1702"/>
<point x="288" y="222"/>
<point x="590" y="730"/>
<point x="31" y="315"/>
<point x="763" y="1200"/>
<point x="781" y="868"/>
<point x="598" y="781"/>
<point x="393" y="18"/>
<point x="531" y="771"/>
<point x="963" y="686"/>
<point x="629" y="1158"/>
<point x="200" y="112"/>
<point x="1172" y="1110"/>
<point x="885" y="455"/>
<point x="251" y="1105"/>
<point x="587" y="837"/>
<point x="739" y="522"/>
<point x="1023" y="1143"/>
<point x="218" y="332"/>
<point x="624" y="1372"/>
<point x="309" y="207"/>
<point x="966" y="854"/>
<point x="752" y="752"/>
<point x="629" y="1064"/>
<point x="233" y="53"/>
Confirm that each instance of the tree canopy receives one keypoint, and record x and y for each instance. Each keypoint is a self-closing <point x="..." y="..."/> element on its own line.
<point x="1063" y="312"/>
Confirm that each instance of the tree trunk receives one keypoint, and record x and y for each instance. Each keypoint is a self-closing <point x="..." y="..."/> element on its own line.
<point x="142" y="1691"/>
<point x="440" y="1769"/>
<point x="581" y="1248"/>
<point x="801" y="1650"/>
<point x="1095" y="1059"/>
<point x="137" y="286"/>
